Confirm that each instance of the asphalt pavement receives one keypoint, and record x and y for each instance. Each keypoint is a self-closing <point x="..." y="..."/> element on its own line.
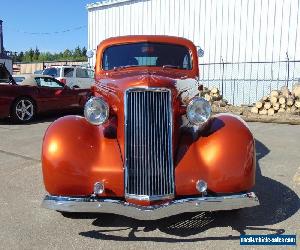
<point x="25" y="225"/>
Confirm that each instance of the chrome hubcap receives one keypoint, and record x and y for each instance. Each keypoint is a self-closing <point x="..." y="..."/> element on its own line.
<point x="24" y="110"/>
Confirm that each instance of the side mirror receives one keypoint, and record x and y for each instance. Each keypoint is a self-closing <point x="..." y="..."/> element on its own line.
<point x="200" y="52"/>
<point x="90" y="53"/>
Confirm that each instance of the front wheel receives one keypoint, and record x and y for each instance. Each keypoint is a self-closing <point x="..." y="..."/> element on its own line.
<point x="23" y="110"/>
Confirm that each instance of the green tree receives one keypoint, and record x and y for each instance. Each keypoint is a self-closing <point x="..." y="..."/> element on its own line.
<point x="36" y="54"/>
<point x="67" y="54"/>
<point x="20" y="56"/>
<point x="83" y="52"/>
<point x="77" y="53"/>
<point x="31" y="54"/>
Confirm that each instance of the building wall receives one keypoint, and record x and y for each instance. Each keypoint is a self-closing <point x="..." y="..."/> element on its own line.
<point x="30" y="68"/>
<point x="229" y="31"/>
<point x="232" y="30"/>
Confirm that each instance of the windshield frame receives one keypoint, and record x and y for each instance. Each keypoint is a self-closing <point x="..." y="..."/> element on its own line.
<point x="101" y="61"/>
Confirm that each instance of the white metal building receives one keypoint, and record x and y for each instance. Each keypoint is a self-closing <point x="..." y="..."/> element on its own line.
<point x="229" y="31"/>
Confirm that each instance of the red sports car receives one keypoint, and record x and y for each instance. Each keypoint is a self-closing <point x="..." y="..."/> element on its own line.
<point x="36" y="94"/>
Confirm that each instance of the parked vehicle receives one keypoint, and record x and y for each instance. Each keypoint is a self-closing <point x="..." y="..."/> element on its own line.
<point x="38" y="72"/>
<point x="36" y="94"/>
<point x="19" y="78"/>
<point x="149" y="146"/>
<point x="72" y="76"/>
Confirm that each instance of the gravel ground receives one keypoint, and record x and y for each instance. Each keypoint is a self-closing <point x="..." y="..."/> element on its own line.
<point x="25" y="225"/>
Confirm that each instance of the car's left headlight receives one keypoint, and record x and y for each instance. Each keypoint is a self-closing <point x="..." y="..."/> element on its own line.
<point x="96" y="111"/>
<point x="198" y="111"/>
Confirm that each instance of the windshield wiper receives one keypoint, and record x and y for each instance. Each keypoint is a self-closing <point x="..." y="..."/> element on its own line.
<point x="170" y="66"/>
<point x="125" y="67"/>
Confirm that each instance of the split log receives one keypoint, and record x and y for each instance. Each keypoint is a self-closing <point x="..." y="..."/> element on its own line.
<point x="282" y="99"/>
<point x="276" y="106"/>
<point x="214" y="90"/>
<point x="288" y="110"/>
<point x="297" y="104"/>
<point x="223" y="103"/>
<point x="220" y="103"/>
<point x="259" y="104"/>
<point x="285" y="91"/>
<point x="207" y="97"/>
<point x="293" y="109"/>
<point x="273" y="99"/>
<point x="267" y="105"/>
<point x="283" y="106"/>
<point x="265" y="98"/>
<point x="296" y="90"/>
<point x="274" y="93"/>
<point x="281" y="110"/>
<point x="263" y="112"/>
<point x="254" y="110"/>
<point x="216" y="97"/>
<point x="271" y="111"/>
<point x="290" y="101"/>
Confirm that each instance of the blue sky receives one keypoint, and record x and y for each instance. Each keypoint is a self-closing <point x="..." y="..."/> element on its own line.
<point x="39" y="16"/>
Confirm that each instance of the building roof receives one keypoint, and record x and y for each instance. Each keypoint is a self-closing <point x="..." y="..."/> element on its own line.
<point x="104" y="3"/>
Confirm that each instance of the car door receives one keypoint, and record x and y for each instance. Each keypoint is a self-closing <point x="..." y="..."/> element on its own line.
<point x="69" y="75"/>
<point x="83" y="78"/>
<point x="53" y="95"/>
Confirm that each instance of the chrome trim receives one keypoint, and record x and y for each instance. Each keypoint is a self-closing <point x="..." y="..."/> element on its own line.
<point x="106" y="111"/>
<point x="197" y="204"/>
<point x="191" y="102"/>
<point x="170" y="138"/>
<point x="149" y="198"/>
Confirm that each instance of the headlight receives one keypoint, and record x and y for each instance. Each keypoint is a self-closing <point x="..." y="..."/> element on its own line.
<point x="96" y="111"/>
<point x="198" y="111"/>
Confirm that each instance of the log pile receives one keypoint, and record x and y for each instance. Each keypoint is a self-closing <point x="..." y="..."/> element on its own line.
<point x="214" y="97"/>
<point x="279" y="101"/>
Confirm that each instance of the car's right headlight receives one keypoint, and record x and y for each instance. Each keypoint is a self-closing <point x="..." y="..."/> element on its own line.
<point x="198" y="111"/>
<point x="96" y="111"/>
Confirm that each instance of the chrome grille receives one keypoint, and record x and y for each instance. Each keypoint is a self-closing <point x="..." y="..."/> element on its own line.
<point x="149" y="173"/>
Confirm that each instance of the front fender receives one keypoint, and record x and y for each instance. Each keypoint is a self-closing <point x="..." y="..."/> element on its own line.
<point x="223" y="155"/>
<point x="76" y="154"/>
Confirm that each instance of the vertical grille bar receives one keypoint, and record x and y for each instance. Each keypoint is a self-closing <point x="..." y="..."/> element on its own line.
<point x="149" y="172"/>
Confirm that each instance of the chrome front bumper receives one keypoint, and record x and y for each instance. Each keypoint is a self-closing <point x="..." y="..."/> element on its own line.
<point x="96" y="205"/>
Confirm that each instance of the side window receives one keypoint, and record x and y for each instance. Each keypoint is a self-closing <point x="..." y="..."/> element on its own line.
<point x="48" y="82"/>
<point x="91" y="73"/>
<point x="51" y="72"/>
<point x="58" y="72"/>
<point x="82" y="73"/>
<point x="68" y="72"/>
<point x="19" y="79"/>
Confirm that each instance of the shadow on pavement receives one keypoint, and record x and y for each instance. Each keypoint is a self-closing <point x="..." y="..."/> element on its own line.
<point x="42" y="118"/>
<point x="277" y="203"/>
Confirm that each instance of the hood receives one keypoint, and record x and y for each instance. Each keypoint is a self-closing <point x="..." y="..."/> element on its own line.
<point x="118" y="82"/>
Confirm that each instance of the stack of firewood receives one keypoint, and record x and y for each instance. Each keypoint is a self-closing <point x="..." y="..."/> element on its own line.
<point x="213" y="96"/>
<point x="279" y="101"/>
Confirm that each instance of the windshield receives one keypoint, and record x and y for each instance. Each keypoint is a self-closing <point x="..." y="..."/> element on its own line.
<point x="4" y="75"/>
<point x="55" y="72"/>
<point x="147" y="54"/>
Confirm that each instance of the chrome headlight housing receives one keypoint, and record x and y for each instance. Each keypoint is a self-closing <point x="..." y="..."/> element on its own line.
<point x="96" y="111"/>
<point x="198" y="111"/>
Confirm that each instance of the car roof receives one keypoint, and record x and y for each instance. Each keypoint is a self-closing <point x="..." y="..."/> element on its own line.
<point x="30" y="79"/>
<point x="68" y="66"/>
<point x="146" y="38"/>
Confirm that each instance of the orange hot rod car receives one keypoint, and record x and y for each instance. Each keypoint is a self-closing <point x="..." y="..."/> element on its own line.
<point x="148" y="146"/>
